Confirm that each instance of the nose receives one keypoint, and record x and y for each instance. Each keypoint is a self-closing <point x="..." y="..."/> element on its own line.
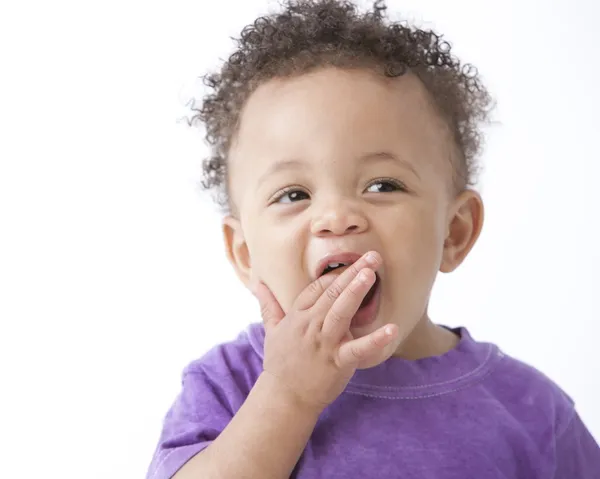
<point x="339" y="218"/>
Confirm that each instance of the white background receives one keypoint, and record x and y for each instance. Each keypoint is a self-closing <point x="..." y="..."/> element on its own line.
<point x="112" y="270"/>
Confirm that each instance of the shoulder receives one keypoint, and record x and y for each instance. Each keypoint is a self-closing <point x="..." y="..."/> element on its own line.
<point x="549" y="417"/>
<point x="531" y="396"/>
<point x="238" y="361"/>
<point x="213" y="388"/>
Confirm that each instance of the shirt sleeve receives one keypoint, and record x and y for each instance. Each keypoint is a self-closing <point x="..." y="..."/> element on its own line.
<point x="213" y="390"/>
<point x="577" y="453"/>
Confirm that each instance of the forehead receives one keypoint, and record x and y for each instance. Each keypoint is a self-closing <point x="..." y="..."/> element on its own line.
<point x="335" y="115"/>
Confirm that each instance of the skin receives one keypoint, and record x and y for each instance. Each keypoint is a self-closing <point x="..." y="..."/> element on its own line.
<point x="339" y="160"/>
<point x="311" y="345"/>
<point x="326" y="122"/>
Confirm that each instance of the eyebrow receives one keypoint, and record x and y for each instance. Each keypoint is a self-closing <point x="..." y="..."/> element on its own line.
<point x="385" y="156"/>
<point x="379" y="156"/>
<point x="291" y="164"/>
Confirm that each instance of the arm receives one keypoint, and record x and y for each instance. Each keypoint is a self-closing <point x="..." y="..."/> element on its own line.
<point x="263" y="440"/>
<point x="309" y="357"/>
<point x="577" y="453"/>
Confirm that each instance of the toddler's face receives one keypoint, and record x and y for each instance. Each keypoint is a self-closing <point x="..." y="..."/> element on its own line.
<point x="338" y="162"/>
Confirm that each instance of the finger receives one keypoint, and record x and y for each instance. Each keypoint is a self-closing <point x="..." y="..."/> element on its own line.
<point x="270" y="310"/>
<point x="336" y="322"/>
<point x="351" y="353"/>
<point x="313" y="291"/>
<point x="328" y="295"/>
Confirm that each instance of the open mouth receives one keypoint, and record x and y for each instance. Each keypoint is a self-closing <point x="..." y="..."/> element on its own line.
<point x="371" y="294"/>
<point x="340" y="267"/>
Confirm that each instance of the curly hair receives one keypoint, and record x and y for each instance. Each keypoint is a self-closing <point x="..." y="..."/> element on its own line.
<point x="309" y="34"/>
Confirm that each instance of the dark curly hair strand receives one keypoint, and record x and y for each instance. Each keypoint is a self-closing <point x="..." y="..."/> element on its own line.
<point x="308" y="34"/>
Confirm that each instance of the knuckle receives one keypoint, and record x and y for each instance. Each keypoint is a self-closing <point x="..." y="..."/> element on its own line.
<point x="315" y="286"/>
<point x="355" y="288"/>
<point x="354" y="269"/>
<point x="335" y="317"/>
<point x="356" y="353"/>
<point x="334" y="291"/>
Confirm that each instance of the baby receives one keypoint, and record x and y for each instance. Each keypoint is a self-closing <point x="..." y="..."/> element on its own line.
<point x="345" y="148"/>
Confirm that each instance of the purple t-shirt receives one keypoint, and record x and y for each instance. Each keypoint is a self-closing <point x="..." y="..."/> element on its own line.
<point x="473" y="412"/>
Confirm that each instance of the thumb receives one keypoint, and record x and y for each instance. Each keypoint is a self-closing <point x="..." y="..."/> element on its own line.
<point x="270" y="310"/>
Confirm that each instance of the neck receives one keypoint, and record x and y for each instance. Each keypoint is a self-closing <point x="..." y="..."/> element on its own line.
<point x="426" y="340"/>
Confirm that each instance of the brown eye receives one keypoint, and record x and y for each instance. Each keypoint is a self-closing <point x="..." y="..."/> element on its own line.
<point x="384" y="186"/>
<point x="292" y="196"/>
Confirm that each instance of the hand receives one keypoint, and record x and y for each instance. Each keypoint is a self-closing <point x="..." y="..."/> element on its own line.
<point x="310" y="352"/>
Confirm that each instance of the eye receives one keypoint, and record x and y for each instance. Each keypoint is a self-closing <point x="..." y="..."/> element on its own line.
<point x="290" y="195"/>
<point x="385" y="185"/>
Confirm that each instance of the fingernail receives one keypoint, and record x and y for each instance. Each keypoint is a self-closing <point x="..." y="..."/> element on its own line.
<point x="363" y="277"/>
<point x="371" y="259"/>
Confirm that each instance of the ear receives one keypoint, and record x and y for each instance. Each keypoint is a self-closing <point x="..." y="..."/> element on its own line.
<point x="464" y="228"/>
<point x="237" y="249"/>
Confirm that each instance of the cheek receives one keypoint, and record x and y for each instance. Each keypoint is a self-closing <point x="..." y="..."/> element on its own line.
<point x="278" y="262"/>
<point x="414" y="250"/>
<point x="415" y="244"/>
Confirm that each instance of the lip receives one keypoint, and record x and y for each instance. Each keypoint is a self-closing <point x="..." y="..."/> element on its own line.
<point x="339" y="257"/>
